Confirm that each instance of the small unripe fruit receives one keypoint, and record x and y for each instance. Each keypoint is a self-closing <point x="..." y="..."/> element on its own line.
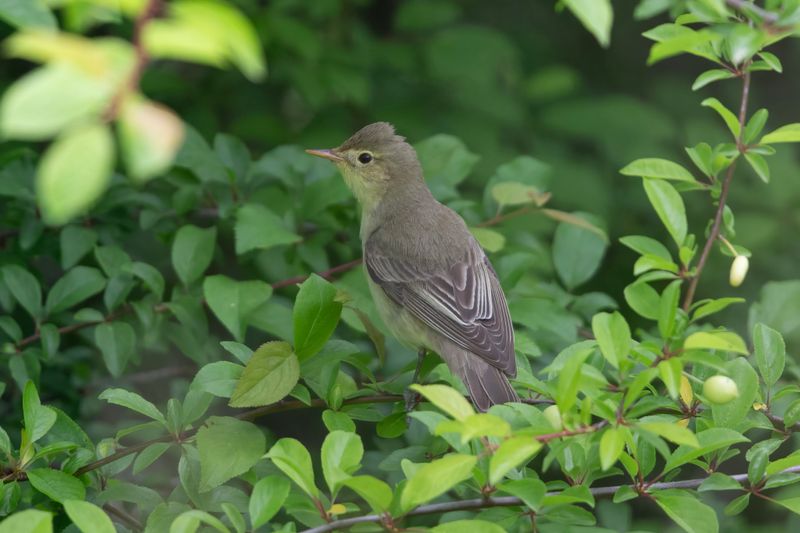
<point x="720" y="389"/>
<point x="739" y="270"/>
<point x="553" y="415"/>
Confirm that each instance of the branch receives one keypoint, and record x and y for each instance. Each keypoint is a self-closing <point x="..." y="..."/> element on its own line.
<point x="723" y="198"/>
<point x="509" y="501"/>
<point x="131" y="84"/>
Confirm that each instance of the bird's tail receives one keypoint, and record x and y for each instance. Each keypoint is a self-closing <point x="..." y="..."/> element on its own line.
<point x="486" y="384"/>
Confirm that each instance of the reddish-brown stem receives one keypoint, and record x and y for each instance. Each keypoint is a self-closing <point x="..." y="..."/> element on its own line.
<point x="723" y="198"/>
<point x="141" y="59"/>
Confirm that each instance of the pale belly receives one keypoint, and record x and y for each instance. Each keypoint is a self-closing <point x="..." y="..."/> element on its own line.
<point x="402" y="324"/>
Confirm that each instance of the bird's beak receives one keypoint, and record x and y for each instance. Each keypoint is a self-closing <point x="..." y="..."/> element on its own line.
<point x="327" y="154"/>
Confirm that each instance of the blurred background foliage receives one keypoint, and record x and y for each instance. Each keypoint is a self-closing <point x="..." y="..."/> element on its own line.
<point x="487" y="92"/>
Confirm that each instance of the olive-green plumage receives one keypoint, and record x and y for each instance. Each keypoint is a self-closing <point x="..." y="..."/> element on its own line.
<point x="430" y="279"/>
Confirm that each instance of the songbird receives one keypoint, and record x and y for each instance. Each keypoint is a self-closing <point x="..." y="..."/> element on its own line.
<point x="431" y="281"/>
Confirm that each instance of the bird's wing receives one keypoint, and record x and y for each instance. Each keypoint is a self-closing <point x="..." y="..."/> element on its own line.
<point x="462" y="301"/>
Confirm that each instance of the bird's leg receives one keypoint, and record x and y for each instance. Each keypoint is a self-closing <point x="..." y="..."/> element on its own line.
<point x="412" y="398"/>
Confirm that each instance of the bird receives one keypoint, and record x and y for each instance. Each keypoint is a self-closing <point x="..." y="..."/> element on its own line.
<point x="431" y="281"/>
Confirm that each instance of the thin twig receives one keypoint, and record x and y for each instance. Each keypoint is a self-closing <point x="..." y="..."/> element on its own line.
<point x="742" y="5"/>
<point x="723" y="198"/>
<point x="141" y="60"/>
<point x="131" y="521"/>
<point x="509" y="501"/>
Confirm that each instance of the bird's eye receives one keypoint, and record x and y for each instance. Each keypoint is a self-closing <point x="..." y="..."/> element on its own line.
<point x="364" y="158"/>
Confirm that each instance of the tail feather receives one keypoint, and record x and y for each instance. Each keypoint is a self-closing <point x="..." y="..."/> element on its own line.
<point x="486" y="384"/>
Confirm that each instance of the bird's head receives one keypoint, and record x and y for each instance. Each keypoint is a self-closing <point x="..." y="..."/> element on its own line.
<point x="373" y="160"/>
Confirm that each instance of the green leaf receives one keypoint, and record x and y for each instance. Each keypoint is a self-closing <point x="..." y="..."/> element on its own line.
<point x="611" y="445"/>
<point x="511" y="193"/>
<point x="719" y="481"/>
<point x="643" y="299"/>
<point x="192" y="251"/>
<point x="316" y="313"/>
<point x="511" y="453"/>
<point x="25" y="288"/>
<point x="734" y="413"/>
<point x="292" y="458"/>
<point x="668" y="204"/>
<point x="770" y="353"/>
<point x="672" y="432"/>
<point x="238" y="350"/>
<point x="74" y="287"/>
<point x="737" y="505"/>
<point x="88" y="517"/>
<point x="710" y="76"/>
<point x="149" y="455"/>
<point x="233" y="302"/>
<point x="771" y="60"/>
<point x="445" y="161"/>
<point x="218" y="378"/>
<point x="659" y="169"/>
<point x="38" y="418"/>
<point x="50" y="99"/>
<point x="150" y="136"/>
<point x="577" y="251"/>
<point x="790" y="133"/>
<point x="531" y="491"/>
<point x="28" y="14"/>
<point x="613" y="336"/>
<point x="489" y="239"/>
<point x="337" y="420"/>
<point x="270" y="374"/>
<point x="730" y="119"/>
<point x="189" y="522"/>
<point x="472" y="525"/>
<point x="716" y="340"/>
<point x="670" y="372"/>
<point x="597" y="16"/>
<point x="793" y="504"/>
<point x="258" y="228"/>
<point x="668" y="309"/>
<point x="710" y="440"/>
<point x="56" y="485"/>
<point x="228" y="447"/>
<point x="341" y="457"/>
<point x="151" y="277"/>
<point x="76" y="242"/>
<point x="226" y="35"/>
<point x="117" y="342"/>
<point x="569" y="378"/>
<point x="375" y="492"/>
<point x="436" y="478"/>
<point x="714" y="306"/>
<point x="646" y="246"/>
<point x="447" y="399"/>
<point x="134" y="402"/>
<point x="74" y="172"/>
<point x="759" y="165"/>
<point x="28" y="521"/>
<point x="267" y="498"/>
<point x="686" y="511"/>
<point x="754" y="126"/>
<point x="678" y="40"/>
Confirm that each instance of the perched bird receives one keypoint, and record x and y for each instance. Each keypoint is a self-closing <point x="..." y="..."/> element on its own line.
<point x="430" y="280"/>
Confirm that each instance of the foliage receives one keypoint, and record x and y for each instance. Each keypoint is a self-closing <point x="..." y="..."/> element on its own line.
<point x="113" y="270"/>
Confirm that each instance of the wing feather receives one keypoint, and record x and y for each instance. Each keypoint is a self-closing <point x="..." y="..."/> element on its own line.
<point x="464" y="301"/>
